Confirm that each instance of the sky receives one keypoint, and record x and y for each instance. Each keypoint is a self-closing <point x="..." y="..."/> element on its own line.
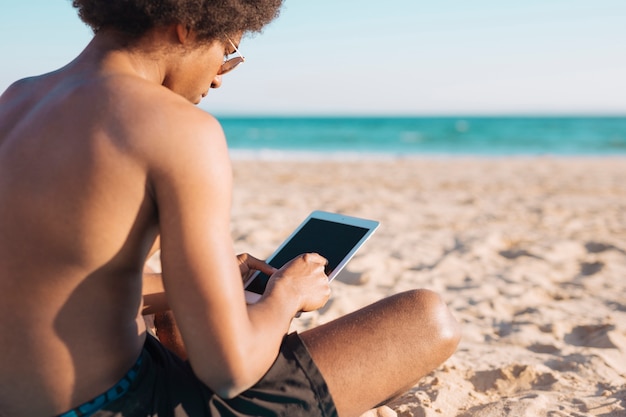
<point x="397" y="57"/>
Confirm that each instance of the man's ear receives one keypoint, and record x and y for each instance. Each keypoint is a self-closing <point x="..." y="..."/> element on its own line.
<point x="184" y="34"/>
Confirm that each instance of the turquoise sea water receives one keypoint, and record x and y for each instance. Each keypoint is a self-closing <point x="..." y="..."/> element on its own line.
<point x="407" y="136"/>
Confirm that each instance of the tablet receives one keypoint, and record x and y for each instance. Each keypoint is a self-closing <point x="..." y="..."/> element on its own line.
<point x="334" y="236"/>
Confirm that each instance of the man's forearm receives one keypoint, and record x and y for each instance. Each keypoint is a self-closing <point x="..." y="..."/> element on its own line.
<point x="154" y="299"/>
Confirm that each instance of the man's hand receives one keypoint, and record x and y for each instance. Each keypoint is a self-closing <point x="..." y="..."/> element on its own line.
<point x="303" y="279"/>
<point x="248" y="265"/>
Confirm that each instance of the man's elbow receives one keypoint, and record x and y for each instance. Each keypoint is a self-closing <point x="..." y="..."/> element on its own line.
<point x="230" y="391"/>
<point x="229" y="382"/>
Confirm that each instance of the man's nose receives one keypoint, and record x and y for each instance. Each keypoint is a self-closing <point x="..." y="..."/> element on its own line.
<point x="217" y="81"/>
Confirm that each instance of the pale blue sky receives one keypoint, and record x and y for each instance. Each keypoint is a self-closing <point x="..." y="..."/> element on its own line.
<point x="408" y="57"/>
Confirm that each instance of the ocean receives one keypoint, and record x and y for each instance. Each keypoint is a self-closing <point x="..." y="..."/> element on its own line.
<point x="414" y="136"/>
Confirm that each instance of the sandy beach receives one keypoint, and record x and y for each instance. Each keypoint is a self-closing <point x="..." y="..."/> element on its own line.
<point x="529" y="253"/>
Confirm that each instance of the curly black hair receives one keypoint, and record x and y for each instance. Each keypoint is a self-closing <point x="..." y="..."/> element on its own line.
<point x="210" y="19"/>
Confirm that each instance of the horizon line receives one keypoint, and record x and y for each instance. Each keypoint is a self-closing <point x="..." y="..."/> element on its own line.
<point x="418" y="115"/>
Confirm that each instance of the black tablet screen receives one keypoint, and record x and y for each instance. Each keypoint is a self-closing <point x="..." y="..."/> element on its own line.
<point x="330" y="239"/>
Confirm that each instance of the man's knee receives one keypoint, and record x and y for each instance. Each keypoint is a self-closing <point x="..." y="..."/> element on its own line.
<point x="430" y="310"/>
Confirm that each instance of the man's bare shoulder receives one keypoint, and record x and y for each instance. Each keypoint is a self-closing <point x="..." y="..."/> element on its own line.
<point x="155" y="108"/>
<point x="158" y="123"/>
<point x="17" y="96"/>
<point x="13" y="90"/>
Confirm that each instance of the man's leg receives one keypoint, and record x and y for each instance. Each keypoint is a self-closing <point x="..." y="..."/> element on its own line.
<point x="376" y="353"/>
<point x="371" y="355"/>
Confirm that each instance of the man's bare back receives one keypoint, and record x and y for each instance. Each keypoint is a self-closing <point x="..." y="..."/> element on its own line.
<point x="75" y="227"/>
<point x="96" y="160"/>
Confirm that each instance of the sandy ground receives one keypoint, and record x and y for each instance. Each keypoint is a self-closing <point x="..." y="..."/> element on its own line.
<point x="529" y="253"/>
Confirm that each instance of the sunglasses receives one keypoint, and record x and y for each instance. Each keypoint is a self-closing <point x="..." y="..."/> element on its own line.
<point x="230" y="64"/>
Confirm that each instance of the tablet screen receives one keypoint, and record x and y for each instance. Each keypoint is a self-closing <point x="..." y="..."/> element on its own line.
<point x="330" y="239"/>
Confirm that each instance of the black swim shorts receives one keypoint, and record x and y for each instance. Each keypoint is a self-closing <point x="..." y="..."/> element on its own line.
<point x="163" y="385"/>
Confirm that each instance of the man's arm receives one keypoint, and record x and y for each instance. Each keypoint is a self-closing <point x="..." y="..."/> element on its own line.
<point x="230" y="345"/>
<point x="154" y="299"/>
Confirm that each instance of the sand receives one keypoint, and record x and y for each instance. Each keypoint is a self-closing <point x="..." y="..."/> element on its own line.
<point x="529" y="253"/>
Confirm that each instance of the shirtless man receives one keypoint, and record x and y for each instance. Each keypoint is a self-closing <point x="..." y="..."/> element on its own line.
<point x="100" y="157"/>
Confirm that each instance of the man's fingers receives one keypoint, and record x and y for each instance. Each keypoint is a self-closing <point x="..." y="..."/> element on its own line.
<point x="315" y="258"/>
<point x="257" y="264"/>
